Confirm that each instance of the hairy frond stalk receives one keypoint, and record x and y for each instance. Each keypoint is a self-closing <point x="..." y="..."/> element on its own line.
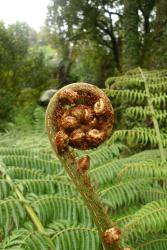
<point x="81" y="116"/>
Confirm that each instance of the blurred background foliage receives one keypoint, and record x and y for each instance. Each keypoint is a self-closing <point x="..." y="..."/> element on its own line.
<point x="82" y="40"/>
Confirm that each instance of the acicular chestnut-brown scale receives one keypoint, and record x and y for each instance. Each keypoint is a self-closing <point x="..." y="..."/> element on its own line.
<point x="112" y="235"/>
<point x="84" y="115"/>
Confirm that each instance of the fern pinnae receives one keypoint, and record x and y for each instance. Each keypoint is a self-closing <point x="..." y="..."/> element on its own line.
<point x="24" y="173"/>
<point x="105" y="153"/>
<point x="154" y="242"/>
<point x="143" y="169"/>
<point x="14" y="151"/>
<point x="51" y="207"/>
<point x="23" y="239"/>
<point x="151" y="218"/>
<point x="11" y="214"/>
<point x="5" y="189"/>
<point x="67" y="235"/>
<point x="133" y="96"/>
<point x="48" y="167"/>
<point x="154" y="194"/>
<point x="155" y="122"/>
<point x="139" y="135"/>
<point x="124" y="193"/>
<point x="103" y="172"/>
<point x="47" y="186"/>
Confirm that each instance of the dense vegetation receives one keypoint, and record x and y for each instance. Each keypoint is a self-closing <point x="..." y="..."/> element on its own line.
<point x="106" y="43"/>
<point x="131" y="186"/>
<point x="82" y="41"/>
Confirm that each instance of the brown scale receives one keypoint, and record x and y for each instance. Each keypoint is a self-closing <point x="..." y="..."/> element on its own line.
<point x="83" y="164"/>
<point x="84" y="117"/>
<point x="89" y="98"/>
<point x="112" y="235"/>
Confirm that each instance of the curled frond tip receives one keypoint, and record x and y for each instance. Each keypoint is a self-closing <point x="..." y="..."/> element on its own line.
<point x="79" y="115"/>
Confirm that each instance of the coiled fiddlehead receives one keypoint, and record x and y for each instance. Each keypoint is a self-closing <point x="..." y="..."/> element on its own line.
<point x="81" y="116"/>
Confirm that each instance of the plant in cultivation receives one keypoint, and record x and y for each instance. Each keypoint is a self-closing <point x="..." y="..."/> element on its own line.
<point x="80" y="116"/>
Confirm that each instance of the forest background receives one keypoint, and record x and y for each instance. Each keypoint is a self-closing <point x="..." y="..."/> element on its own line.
<point x="82" y="40"/>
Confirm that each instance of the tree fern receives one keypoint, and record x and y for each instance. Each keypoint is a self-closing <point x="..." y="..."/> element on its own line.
<point x="133" y="188"/>
<point x="139" y="88"/>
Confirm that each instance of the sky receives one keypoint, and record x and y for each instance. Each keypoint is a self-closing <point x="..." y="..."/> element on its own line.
<point x="32" y="12"/>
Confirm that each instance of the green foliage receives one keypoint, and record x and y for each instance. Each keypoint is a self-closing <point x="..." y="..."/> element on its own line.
<point x="93" y="63"/>
<point x="124" y="29"/>
<point x="24" y="72"/>
<point x="130" y="89"/>
<point x="133" y="190"/>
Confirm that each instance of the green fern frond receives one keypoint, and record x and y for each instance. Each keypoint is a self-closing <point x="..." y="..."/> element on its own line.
<point x="153" y="242"/>
<point x="14" y="151"/>
<point x="151" y="218"/>
<point x="139" y="135"/>
<point x="159" y="99"/>
<point x="11" y="214"/>
<point x="23" y="239"/>
<point x="122" y="81"/>
<point x="149" y="168"/>
<point x="72" y="236"/>
<point x="158" y="86"/>
<point x="154" y="194"/>
<point x="105" y="153"/>
<point x="126" y="214"/>
<point x="53" y="207"/>
<point x="39" y="119"/>
<point x="107" y="172"/>
<point x="48" y="167"/>
<point x="143" y="112"/>
<point x="24" y="173"/>
<point x="134" y="78"/>
<point x="104" y="172"/>
<point x="46" y="186"/>
<point x="5" y="189"/>
<point x="152" y="154"/>
<point x="132" y="96"/>
<point x="124" y="193"/>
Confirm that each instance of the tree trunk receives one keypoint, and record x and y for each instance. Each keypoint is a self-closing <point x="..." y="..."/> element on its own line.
<point x="160" y="58"/>
<point x="131" y="48"/>
<point x="146" y="8"/>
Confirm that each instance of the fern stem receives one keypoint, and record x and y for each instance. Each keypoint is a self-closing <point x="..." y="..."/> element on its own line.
<point x="28" y="208"/>
<point x="155" y="122"/>
<point x="90" y="197"/>
<point x="96" y="107"/>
